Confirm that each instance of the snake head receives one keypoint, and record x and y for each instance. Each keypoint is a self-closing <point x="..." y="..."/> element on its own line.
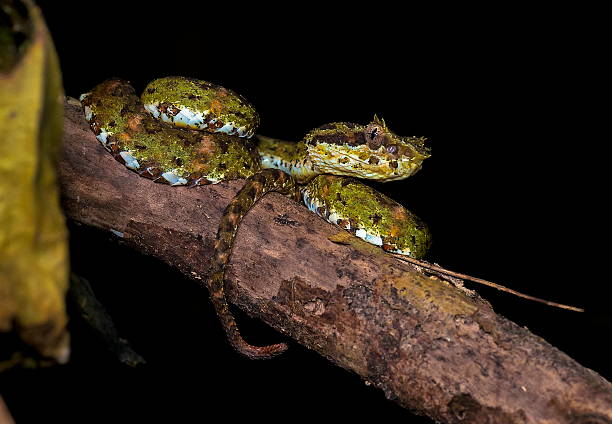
<point x="365" y="151"/>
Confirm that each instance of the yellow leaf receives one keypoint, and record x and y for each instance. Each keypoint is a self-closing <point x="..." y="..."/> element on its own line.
<point x="33" y="237"/>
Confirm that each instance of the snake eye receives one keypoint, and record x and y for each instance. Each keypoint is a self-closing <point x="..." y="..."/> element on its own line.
<point x="373" y="133"/>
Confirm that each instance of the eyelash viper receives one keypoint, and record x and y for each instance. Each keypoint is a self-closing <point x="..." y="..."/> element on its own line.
<point x="183" y="131"/>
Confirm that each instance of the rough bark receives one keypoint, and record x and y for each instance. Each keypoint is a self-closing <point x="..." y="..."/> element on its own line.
<point x="428" y="345"/>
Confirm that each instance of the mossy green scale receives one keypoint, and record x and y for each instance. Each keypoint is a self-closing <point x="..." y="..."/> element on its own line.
<point x="372" y="211"/>
<point x="190" y="154"/>
<point x="202" y="97"/>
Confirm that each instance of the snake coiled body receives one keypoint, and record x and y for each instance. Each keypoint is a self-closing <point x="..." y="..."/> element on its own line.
<point x="188" y="132"/>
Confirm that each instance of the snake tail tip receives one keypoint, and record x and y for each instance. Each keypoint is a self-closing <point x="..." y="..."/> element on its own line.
<point x="261" y="352"/>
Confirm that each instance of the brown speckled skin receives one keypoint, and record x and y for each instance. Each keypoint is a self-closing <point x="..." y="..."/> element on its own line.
<point x="254" y="189"/>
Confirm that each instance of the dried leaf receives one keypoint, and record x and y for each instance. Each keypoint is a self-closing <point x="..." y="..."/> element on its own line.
<point x="33" y="237"/>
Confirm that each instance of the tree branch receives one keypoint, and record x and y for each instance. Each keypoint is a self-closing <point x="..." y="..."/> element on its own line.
<point x="429" y="346"/>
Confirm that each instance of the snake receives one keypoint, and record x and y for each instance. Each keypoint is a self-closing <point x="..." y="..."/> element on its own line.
<point x="187" y="132"/>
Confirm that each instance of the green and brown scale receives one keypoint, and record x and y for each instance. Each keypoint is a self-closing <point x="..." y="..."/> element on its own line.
<point x="160" y="151"/>
<point x="197" y="104"/>
<point x="368" y="214"/>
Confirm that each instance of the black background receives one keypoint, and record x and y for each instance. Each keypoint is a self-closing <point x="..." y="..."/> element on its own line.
<point x="507" y="106"/>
